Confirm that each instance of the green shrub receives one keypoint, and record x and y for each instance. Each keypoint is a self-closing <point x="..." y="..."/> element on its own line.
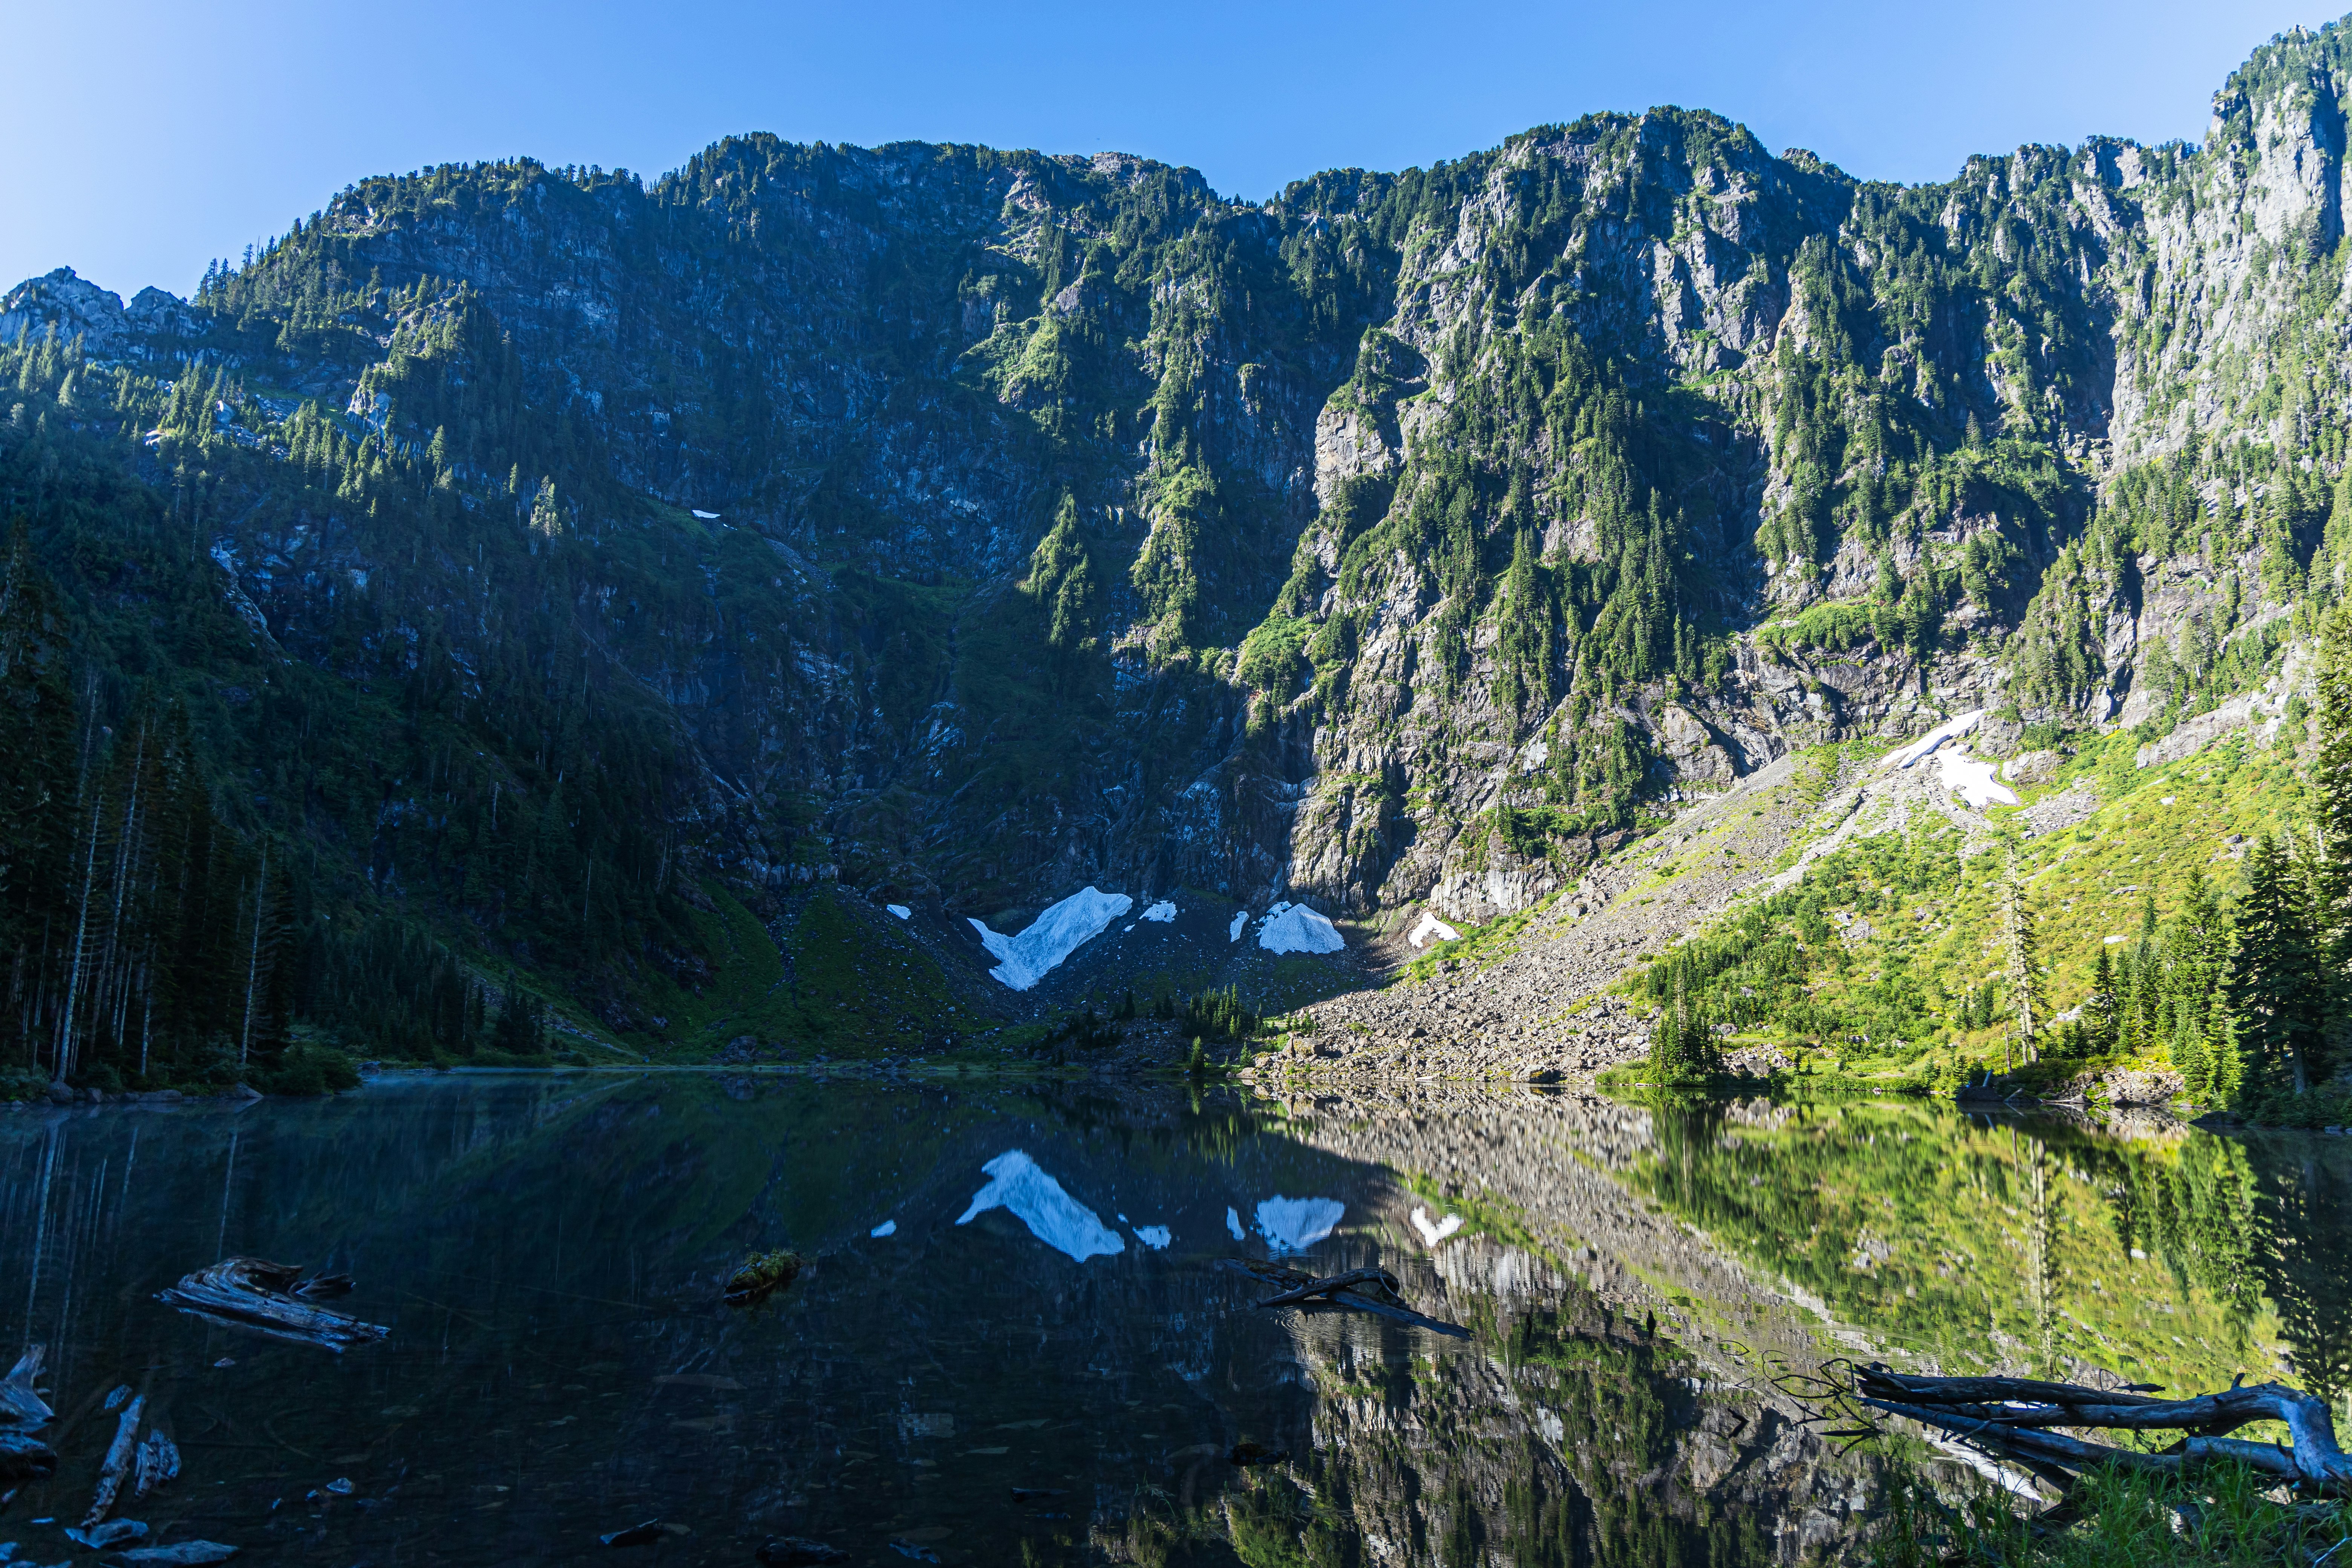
<point x="310" y="1069"/>
<point x="2128" y="1519"/>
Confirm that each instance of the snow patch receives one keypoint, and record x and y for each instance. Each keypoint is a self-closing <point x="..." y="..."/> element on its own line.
<point x="1294" y="1225"/>
<point x="705" y="516"/>
<point x="1038" y="1201"/>
<point x="888" y="1227"/>
<point x="1431" y="926"/>
<point x="1234" y="1223"/>
<point x="1024" y="960"/>
<point x="901" y="910"/>
<point x="1295" y="928"/>
<point x="1164" y="913"/>
<point x="1973" y="779"/>
<point x="1434" y="1232"/>
<point x="1950" y="730"/>
<point x="1155" y="1236"/>
<point x="1233" y="932"/>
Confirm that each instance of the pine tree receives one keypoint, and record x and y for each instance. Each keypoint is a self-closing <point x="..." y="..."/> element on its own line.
<point x="2100" y="1017"/>
<point x="522" y="1028"/>
<point x="2331" y="775"/>
<point x="2273" y="971"/>
<point x="37" y="791"/>
<point x="546" y="516"/>
<point x="2024" y="967"/>
<point x="1682" y="1042"/>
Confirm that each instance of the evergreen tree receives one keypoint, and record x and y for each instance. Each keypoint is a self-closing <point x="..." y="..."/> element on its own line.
<point x="2331" y="777"/>
<point x="2024" y="954"/>
<point x="522" y="1028"/>
<point x="2100" y="1018"/>
<point x="1682" y="1046"/>
<point x="2274" y="970"/>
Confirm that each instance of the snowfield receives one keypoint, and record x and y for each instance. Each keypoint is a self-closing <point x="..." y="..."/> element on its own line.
<point x="1431" y="926"/>
<point x="1947" y="744"/>
<point x="1950" y="730"/>
<point x="1295" y="928"/>
<point x="1973" y="779"/>
<point x="1060" y="931"/>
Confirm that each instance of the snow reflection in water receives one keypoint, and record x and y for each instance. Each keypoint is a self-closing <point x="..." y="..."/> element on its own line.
<point x="1037" y="1200"/>
<point x="1294" y="1225"/>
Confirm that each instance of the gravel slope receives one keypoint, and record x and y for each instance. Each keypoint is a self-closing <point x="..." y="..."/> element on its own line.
<point x="1538" y="1006"/>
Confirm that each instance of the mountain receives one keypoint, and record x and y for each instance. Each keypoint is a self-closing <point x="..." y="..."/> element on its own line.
<point x="518" y="582"/>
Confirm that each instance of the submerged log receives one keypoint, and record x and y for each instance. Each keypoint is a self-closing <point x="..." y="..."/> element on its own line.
<point x="1305" y="1291"/>
<point x="181" y="1555"/>
<point x="158" y="1463"/>
<point x="267" y="1297"/>
<point x="2013" y="1419"/>
<point x="25" y="1458"/>
<point x="21" y="1404"/>
<point x="116" y="1469"/>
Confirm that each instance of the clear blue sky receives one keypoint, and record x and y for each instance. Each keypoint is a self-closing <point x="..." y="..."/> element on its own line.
<point x="144" y="138"/>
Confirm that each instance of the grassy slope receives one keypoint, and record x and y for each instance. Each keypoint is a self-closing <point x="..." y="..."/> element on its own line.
<point x="2084" y="884"/>
<point x="845" y="981"/>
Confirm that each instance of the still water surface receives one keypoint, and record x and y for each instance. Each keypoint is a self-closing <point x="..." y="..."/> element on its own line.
<point x="1011" y="1344"/>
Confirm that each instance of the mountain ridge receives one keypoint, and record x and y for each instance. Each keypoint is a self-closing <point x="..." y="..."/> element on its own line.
<point x="1404" y="541"/>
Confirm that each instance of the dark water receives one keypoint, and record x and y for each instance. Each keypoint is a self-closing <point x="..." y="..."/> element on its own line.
<point x="546" y="1253"/>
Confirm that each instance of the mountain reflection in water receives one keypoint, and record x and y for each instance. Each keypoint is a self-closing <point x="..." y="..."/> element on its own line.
<point x="548" y="1253"/>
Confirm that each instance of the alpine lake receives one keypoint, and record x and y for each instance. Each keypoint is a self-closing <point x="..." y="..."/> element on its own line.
<point x="1011" y="1339"/>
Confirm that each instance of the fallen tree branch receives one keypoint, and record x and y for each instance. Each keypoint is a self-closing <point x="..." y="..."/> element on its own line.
<point x="1354" y="1277"/>
<point x="2014" y="1417"/>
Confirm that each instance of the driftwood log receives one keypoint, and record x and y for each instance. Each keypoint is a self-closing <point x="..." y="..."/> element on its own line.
<point x="116" y="1468"/>
<point x="2016" y="1420"/>
<point x="24" y="1456"/>
<point x="1348" y="1291"/>
<point x="158" y="1463"/>
<point x="21" y="1404"/>
<point x="270" y="1298"/>
<point x="22" y="1413"/>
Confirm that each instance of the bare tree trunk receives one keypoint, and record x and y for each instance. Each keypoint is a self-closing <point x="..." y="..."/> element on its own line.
<point x="65" y="1055"/>
<point x="125" y="863"/>
<point x="253" y="956"/>
<point x="147" y="1012"/>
